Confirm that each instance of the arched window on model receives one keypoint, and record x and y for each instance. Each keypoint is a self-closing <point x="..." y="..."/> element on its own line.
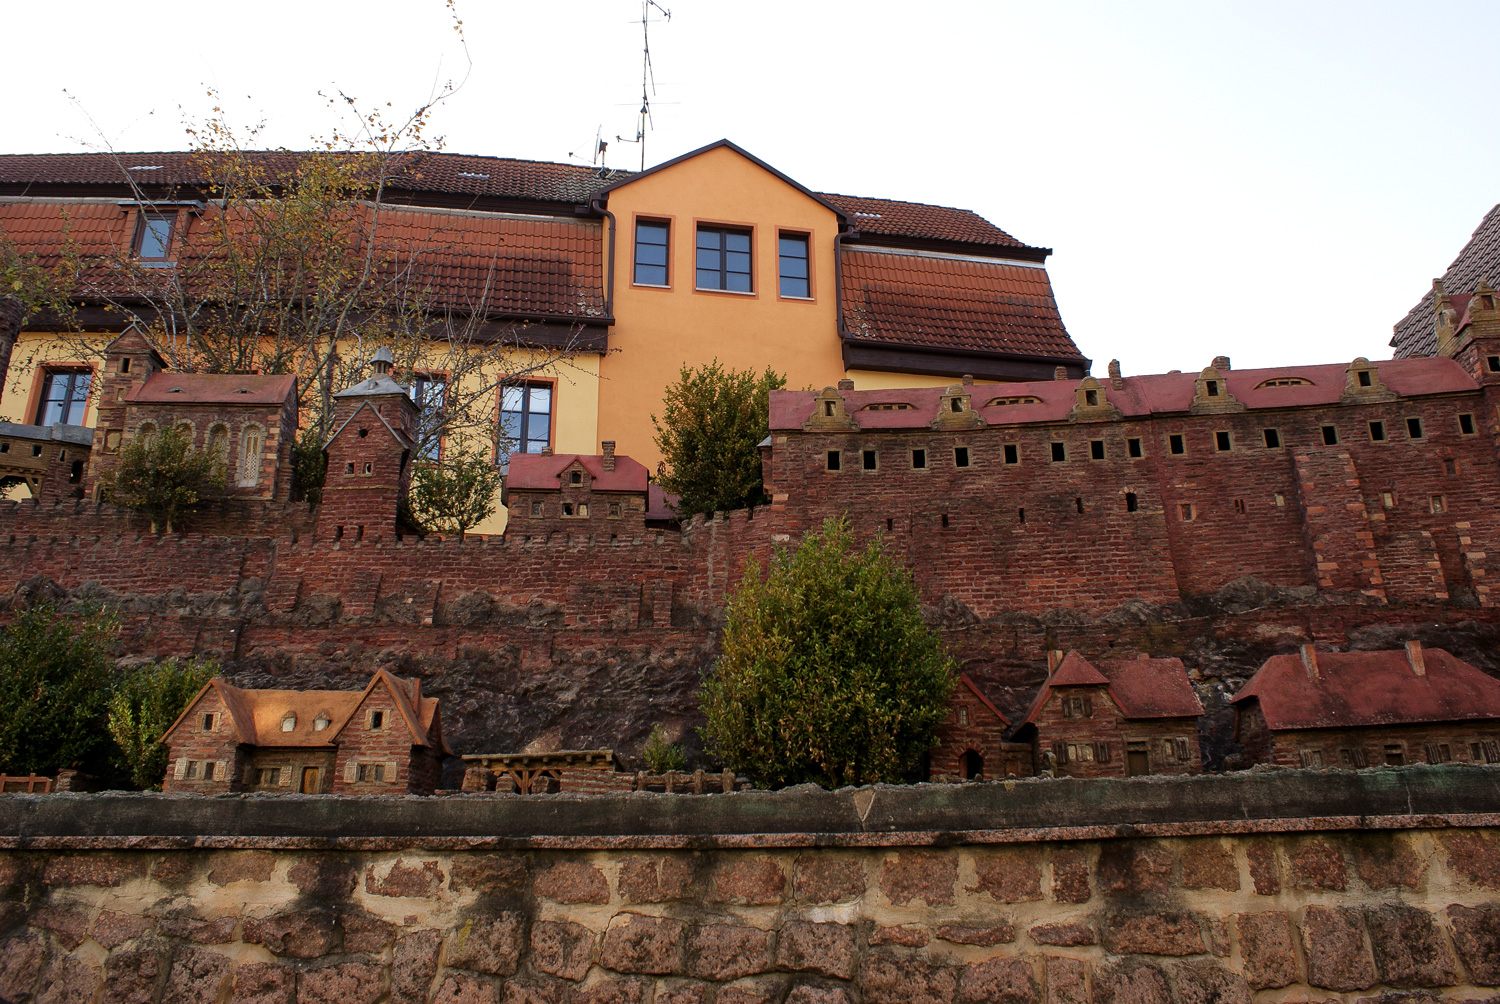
<point x="252" y="442"/>
<point x="146" y="432"/>
<point x="218" y="442"/>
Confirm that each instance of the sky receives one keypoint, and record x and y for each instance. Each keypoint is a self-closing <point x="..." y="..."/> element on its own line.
<point x="1275" y="181"/>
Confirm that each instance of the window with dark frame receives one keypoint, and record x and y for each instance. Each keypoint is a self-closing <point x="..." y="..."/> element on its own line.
<point x="792" y="266"/>
<point x="1133" y="448"/>
<point x="1012" y="453"/>
<point x="1377" y="431"/>
<point x="723" y="259"/>
<point x="1466" y="424"/>
<point x="153" y="236"/>
<point x="1330" y="435"/>
<point x="869" y="459"/>
<point x="1272" y="438"/>
<point x="1413" y="428"/>
<point x="1059" y="452"/>
<point x="960" y="456"/>
<point x="652" y="239"/>
<point x="1176" y="444"/>
<point x="1096" y="449"/>
<point x="1221" y="441"/>
<point x="429" y="392"/>
<point x="525" y="418"/>
<point x="919" y="459"/>
<point x="65" y="396"/>
<point x="835" y="460"/>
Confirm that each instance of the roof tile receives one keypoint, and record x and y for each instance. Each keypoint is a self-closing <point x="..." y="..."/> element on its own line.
<point x="1416" y="333"/>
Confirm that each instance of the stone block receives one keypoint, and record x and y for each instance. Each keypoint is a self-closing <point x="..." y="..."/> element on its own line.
<point x="264" y="983"/>
<point x="766" y="990"/>
<point x="67" y="925"/>
<point x="655" y="878"/>
<point x="1204" y="982"/>
<point x="906" y="935"/>
<point x="1210" y="864"/>
<point x="809" y="994"/>
<point x="198" y="975"/>
<point x="365" y="932"/>
<point x="682" y="992"/>
<point x="1157" y="933"/>
<point x="300" y="934"/>
<point x="572" y="882"/>
<point x="562" y="948"/>
<point x="112" y="929"/>
<point x="1066" y="933"/>
<point x="635" y="943"/>
<point x="827" y="949"/>
<point x="414" y="964"/>
<point x="928" y="876"/>
<point x="1387" y="861"/>
<point x="749" y="880"/>
<point x="726" y="952"/>
<point x="1002" y="932"/>
<point x="323" y="876"/>
<point x="1317" y="863"/>
<point x="186" y="925"/>
<point x="1067" y="980"/>
<point x="1070" y="876"/>
<point x="136" y="977"/>
<point x="1410" y="950"/>
<point x="1009" y="874"/>
<point x="97" y="868"/>
<point x="486" y="872"/>
<point x="887" y="977"/>
<point x="68" y="980"/>
<point x="1265" y="869"/>
<point x="405" y="879"/>
<point x="1131" y="981"/>
<point x="340" y="983"/>
<point x="1270" y="959"/>
<point x="824" y="877"/>
<point x="1333" y="942"/>
<point x="487" y="945"/>
<point x="1475" y="857"/>
<point x="1476" y="935"/>
<point x="999" y="981"/>
<point x="463" y="988"/>
<point x="1134" y="868"/>
<point x="240" y="866"/>
<point x="613" y="991"/>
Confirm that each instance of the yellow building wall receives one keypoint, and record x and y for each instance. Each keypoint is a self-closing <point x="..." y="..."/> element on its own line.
<point x="20" y="396"/>
<point x="882" y="380"/>
<point x="658" y="330"/>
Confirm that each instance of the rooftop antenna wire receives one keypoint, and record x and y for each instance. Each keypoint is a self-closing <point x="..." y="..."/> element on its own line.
<point x="648" y="78"/>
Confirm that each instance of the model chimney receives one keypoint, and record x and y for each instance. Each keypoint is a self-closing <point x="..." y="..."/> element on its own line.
<point x="1060" y="373"/>
<point x="381" y="364"/>
<point x="1416" y="658"/>
<point x="846" y="384"/>
<point x="1221" y="363"/>
<point x="1054" y="659"/>
<point x="609" y="455"/>
<point x="1310" y="661"/>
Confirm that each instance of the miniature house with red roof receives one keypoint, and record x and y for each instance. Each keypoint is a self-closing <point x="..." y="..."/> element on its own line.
<point x="1126" y="717"/>
<point x="572" y="491"/>
<point x="386" y="739"/>
<point x="971" y="741"/>
<point x="369" y="457"/>
<point x="248" y="419"/>
<point x="1364" y="709"/>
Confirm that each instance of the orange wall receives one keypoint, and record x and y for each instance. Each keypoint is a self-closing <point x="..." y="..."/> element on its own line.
<point x="658" y="330"/>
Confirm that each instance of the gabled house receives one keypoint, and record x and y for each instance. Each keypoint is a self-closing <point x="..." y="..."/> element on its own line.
<point x="385" y="739"/>
<point x="1368" y="709"/>
<point x="572" y="491"/>
<point x="1124" y="718"/>
<point x="971" y="742"/>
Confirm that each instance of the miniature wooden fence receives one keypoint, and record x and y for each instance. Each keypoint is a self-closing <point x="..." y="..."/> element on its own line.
<point x="25" y="784"/>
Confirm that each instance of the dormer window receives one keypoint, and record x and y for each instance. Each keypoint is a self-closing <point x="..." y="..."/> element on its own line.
<point x="1363" y="376"/>
<point x="1284" y="382"/>
<point x="1211" y="388"/>
<point x="1004" y="402"/>
<point x="289" y="722"/>
<point x="153" y="236"/>
<point x="576" y="477"/>
<point x="322" y="721"/>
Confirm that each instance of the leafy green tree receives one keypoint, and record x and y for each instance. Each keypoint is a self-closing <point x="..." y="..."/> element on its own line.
<point x="146" y="701"/>
<point x="709" y="434"/>
<point x="55" y="676"/>
<point x="163" y="476"/>
<point x="827" y="672"/>
<point x="454" y="495"/>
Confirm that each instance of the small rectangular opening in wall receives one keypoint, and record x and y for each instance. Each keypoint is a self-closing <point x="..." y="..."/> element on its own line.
<point x="1239" y="506"/>
<point x="1364" y="378"/>
<point x="349" y="468"/>
<point x="1388" y="499"/>
<point x="1413" y="428"/>
<point x="1059" y="452"/>
<point x="1330" y="435"/>
<point x="1078" y="504"/>
<point x="1091" y="398"/>
<point x="1133" y="448"/>
<point x="868" y="459"/>
<point x="1377" y="431"/>
<point x="890" y="524"/>
<point x="1012" y="453"/>
<point x="1272" y="438"/>
<point x="1212" y="387"/>
<point x="1466" y="424"/>
<point x="960" y="456"/>
<point x="1131" y="503"/>
<point x="536" y="509"/>
<point x="1185" y="512"/>
<point x="828" y="409"/>
<point x="919" y="460"/>
<point x="1439" y="504"/>
<point x="1021" y="515"/>
<point x="1096" y="449"/>
<point x="1450" y="467"/>
<point x="834" y="460"/>
<point x="1493" y="362"/>
<point x="945" y="520"/>
<point x="369" y="467"/>
<point x="1221" y="441"/>
<point x="1176" y="445"/>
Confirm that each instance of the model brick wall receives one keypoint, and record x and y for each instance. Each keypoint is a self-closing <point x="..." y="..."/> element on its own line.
<point x="1097" y="740"/>
<point x="1355" y="748"/>
<point x="193" y="746"/>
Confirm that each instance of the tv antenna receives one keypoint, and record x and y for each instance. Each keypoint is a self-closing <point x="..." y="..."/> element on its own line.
<point x="600" y="146"/>
<point x="648" y="78"/>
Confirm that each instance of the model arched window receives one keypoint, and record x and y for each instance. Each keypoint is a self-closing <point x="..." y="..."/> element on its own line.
<point x="218" y="441"/>
<point x="146" y="432"/>
<point x="252" y="442"/>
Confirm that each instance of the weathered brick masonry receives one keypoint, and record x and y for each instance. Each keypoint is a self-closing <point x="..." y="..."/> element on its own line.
<point x="852" y="898"/>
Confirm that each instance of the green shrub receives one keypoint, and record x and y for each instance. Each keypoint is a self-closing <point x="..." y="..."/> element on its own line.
<point x="55" y="679"/>
<point x="661" y="754"/>
<point x="162" y="476"/>
<point x="827" y="672"/>
<point x="146" y="701"/>
<point x="309" y="468"/>
<point x="453" y="495"/>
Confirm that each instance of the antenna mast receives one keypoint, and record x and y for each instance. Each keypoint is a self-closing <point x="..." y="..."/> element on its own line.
<point x="648" y="78"/>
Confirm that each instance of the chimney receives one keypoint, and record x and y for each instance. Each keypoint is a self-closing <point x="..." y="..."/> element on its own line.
<point x="1310" y="662"/>
<point x="609" y="455"/>
<point x="1416" y="658"/>
<point x="846" y="384"/>
<point x="968" y="379"/>
<point x="1060" y="373"/>
<point x="381" y="364"/>
<point x="1114" y="369"/>
<point x="1221" y="363"/>
<point x="1054" y="659"/>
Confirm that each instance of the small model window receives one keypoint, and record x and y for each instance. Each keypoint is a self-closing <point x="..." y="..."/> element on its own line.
<point x="210" y="722"/>
<point x="1176" y="445"/>
<point x="1059" y="452"/>
<point x="835" y="460"/>
<point x="1330" y="435"/>
<point x="1272" y="438"/>
<point x="1133" y="448"/>
<point x="1012" y="453"/>
<point x="1413" y="428"/>
<point x="960" y="456"/>
<point x="1221" y="441"/>
<point x="919" y="459"/>
<point x="322" y="721"/>
<point x="370" y="772"/>
<point x="289" y="721"/>
<point x="1377" y="431"/>
<point x="868" y="459"/>
<point x="377" y="720"/>
<point x="1096" y="449"/>
<point x="252" y="442"/>
<point x="268" y="776"/>
<point x="1466" y="424"/>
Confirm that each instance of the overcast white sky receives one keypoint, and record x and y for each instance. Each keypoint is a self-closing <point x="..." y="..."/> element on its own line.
<point x="1275" y="180"/>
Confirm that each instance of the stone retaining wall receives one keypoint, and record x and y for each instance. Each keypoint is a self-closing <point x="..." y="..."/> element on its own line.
<point x="1213" y="906"/>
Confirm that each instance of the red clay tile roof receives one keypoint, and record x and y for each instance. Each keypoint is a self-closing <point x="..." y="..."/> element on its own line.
<point x="891" y="218"/>
<point x="1155" y="394"/>
<point x="1141" y="687"/>
<point x="543" y="472"/>
<point x="1371" y="688"/>
<point x="214" y="388"/>
<point x="1416" y="333"/>
<point x="952" y="304"/>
